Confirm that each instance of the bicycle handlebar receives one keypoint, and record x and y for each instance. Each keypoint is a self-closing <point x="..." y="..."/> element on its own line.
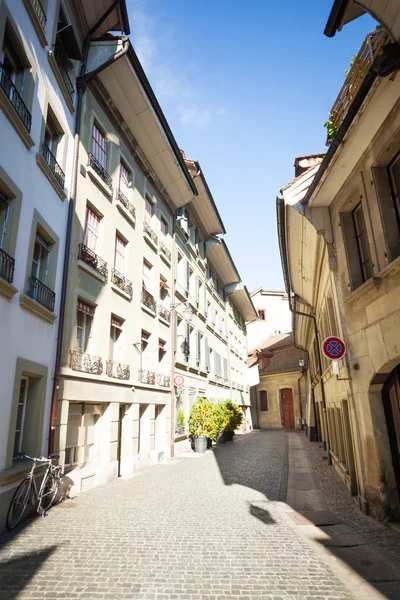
<point x="40" y="459"/>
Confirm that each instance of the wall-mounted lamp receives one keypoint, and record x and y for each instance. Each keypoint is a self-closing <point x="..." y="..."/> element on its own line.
<point x="187" y="311"/>
<point x="302" y="363"/>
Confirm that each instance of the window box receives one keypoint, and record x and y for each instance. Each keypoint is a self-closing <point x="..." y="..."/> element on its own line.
<point x="15" y="109"/>
<point x="38" y="18"/>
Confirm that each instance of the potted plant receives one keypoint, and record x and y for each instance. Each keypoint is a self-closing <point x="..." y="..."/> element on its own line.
<point x="202" y="423"/>
<point x="232" y="417"/>
<point x="180" y="422"/>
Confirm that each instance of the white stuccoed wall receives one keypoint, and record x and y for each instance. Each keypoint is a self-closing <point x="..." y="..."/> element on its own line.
<point x="278" y="317"/>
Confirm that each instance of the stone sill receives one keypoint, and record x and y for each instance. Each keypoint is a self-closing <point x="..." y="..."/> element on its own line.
<point x="17" y="472"/>
<point x="99" y="182"/>
<point x="7" y="289"/>
<point x="44" y="167"/>
<point x="54" y="67"/>
<point x="36" y="23"/>
<point x="167" y="323"/>
<point x="150" y="242"/>
<point x="15" y="121"/>
<point x="36" y="308"/>
<point x="125" y="212"/>
<point x="151" y="386"/>
<point x="85" y="267"/>
<point x="147" y="310"/>
<point x="182" y="295"/>
<point x="374" y="282"/>
<point x="165" y="259"/>
<point x="118" y="290"/>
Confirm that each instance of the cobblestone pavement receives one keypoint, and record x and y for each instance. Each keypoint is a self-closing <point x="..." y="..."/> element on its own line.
<point x="209" y="528"/>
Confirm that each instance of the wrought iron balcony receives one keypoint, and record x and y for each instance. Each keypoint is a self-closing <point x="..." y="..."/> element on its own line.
<point x="39" y="11"/>
<point x="14" y="97"/>
<point x="149" y="301"/>
<point x="64" y="65"/>
<point x="7" y="266"/>
<point x="147" y="376"/>
<point x="122" y="282"/>
<point x="117" y="370"/>
<point x="164" y="250"/>
<point x="89" y="257"/>
<point x="360" y="66"/>
<point x="86" y="363"/>
<point x="41" y="293"/>
<point x="125" y="202"/>
<point x="148" y="230"/>
<point x="163" y="380"/>
<point x="164" y="313"/>
<point x="101" y="172"/>
<point x="53" y="164"/>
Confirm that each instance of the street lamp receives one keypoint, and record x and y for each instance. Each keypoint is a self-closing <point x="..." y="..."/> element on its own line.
<point x="302" y="362"/>
<point x="187" y="311"/>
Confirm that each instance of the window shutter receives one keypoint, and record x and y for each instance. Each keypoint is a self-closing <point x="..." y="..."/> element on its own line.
<point x="205" y="299"/>
<point x="198" y="356"/>
<point x="196" y="289"/>
<point x="176" y="331"/>
<point x="196" y="236"/>
<point x="225" y="362"/>
<point x="187" y="276"/>
<point x="187" y="339"/>
<point x="207" y="353"/>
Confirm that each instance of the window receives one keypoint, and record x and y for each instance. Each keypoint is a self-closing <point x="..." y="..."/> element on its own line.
<point x="19" y="429"/>
<point x="119" y="257"/>
<point x="84" y="320"/>
<point x="115" y="332"/>
<point x="79" y="448"/>
<point x="164" y="226"/>
<point x="362" y="243"/>
<point x="40" y="261"/>
<point x="92" y="226"/>
<point x="162" y="349"/>
<point x="163" y="288"/>
<point x="145" y="338"/>
<point x="147" y="277"/>
<point x="66" y="51"/>
<point x="13" y="66"/>
<point x="149" y="210"/>
<point x="52" y="146"/>
<point x="261" y="315"/>
<point x="99" y="147"/>
<point x="52" y="135"/>
<point x="263" y="400"/>
<point x="6" y="262"/>
<point x="124" y="180"/>
<point x="387" y="188"/>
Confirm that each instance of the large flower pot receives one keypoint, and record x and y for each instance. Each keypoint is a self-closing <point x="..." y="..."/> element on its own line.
<point x="200" y="444"/>
<point x="229" y="436"/>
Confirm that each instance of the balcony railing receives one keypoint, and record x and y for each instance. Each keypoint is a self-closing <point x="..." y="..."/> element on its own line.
<point x="91" y="259"/>
<point x="122" y="282"/>
<point x="163" y="380"/>
<point x="164" y="250"/>
<point x="39" y="10"/>
<point x="7" y="266"/>
<point x="117" y="370"/>
<point x="361" y="64"/>
<point x="53" y="164"/>
<point x="86" y="363"/>
<point x="164" y="313"/>
<point x="41" y="293"/>
<point x="62" y="61"/>
<point x="101" y="172"/>
<point x="125" y="202"/>
<point x="147" y="376"/>
<point x="149" y="301"/>
<point x="14" y="97"/>
<point x="148" y="230"/>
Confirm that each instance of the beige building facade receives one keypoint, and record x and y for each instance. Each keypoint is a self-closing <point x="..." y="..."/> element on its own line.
<point x="339" y="232"/>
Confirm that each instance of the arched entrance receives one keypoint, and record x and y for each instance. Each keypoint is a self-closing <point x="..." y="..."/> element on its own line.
<point x="287" y="408"/>
<point x="391" y="404"/>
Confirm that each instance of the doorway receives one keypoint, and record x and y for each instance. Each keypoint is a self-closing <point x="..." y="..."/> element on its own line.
<point x="287" y="408"/>
<point x="122" y="411"/>
<point x="391" y="404"/>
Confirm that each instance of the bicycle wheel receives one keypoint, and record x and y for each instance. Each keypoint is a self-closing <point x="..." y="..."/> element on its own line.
<point x="49" y="492"/>
<point x="18" y="504"/>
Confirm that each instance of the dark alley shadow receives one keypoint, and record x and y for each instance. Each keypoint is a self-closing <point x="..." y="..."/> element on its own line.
<point x="16" y="573"/>
<point x="352" y="540"/>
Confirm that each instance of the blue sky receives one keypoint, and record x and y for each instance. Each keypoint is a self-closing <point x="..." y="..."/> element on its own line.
<point x="245" y="87"/>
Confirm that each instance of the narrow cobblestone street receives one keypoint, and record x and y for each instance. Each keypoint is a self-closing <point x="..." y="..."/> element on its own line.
<point x="210" y="528"/>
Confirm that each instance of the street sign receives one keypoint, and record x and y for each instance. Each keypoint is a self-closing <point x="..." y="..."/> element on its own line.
<point x="179" y="381"/>
<point x="333" y="347"/>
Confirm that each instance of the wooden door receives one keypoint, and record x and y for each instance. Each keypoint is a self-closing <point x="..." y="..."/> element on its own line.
<point x="391" y="403"/>
<point x="287" y="408"/>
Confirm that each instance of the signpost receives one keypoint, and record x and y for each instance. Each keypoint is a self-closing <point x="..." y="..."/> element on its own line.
<point x="179" y="381"/>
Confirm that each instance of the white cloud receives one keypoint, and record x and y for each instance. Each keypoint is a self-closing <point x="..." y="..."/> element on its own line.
<point x="148" y="36"/>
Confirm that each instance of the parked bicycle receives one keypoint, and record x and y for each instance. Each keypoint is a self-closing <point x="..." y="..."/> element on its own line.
<point x="28" y="490"/>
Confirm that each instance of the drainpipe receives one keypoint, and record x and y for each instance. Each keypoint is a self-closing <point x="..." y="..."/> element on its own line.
<point x="81" y="87"/>
<point x="173" y="333"/>
<point x="299" y="391"/>
<point x="280" y="211"/>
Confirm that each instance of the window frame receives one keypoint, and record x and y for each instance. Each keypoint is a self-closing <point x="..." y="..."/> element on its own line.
<point x="91" y="229"/>
<point x="99" y="147"/>
<point x="263" y="311"/>
<point x="20" y="429"/>
<point x="263" y="396"/>
<point x="87" y="316"/>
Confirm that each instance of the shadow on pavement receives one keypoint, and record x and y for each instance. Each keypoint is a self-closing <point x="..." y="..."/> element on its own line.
<point x="17" y="572"/>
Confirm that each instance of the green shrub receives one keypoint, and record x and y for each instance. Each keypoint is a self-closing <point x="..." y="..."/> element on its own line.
<point x="202" y="419"/>
<point x="180" y="421"/>
<point x="232" y="416"/>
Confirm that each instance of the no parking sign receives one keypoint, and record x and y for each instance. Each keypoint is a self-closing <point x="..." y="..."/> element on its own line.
<point x="333" y="347"/>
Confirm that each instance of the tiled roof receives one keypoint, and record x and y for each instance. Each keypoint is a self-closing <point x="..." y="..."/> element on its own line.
<point x="284" y="362"/>
<point x="282" y="339"/>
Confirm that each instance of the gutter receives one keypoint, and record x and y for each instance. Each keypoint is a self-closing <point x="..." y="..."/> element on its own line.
<point x="349" y="118"/>
<point x="335" y="18"/>
<point x="203" y="179"/>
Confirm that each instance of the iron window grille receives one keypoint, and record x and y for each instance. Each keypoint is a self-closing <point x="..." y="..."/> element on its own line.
<point x="7" y="266"/>
<point x="15" y="99"/>
<point x="122" y="282"/>
<point x="53" y="164"/>
<point x="148" y="230"/>
<point x="148" y="377"/>
<point x="94" y="261"/>
<point x="165" y="251"/>
<point x="164" y="313"/>
<point x="117" y="370"/>
<point x="125" y="202"/>
<point x="41" y="293"/>
<point x="86" y="363"/>
<point x="101" y="172"/>
<point x="148" y="300"/>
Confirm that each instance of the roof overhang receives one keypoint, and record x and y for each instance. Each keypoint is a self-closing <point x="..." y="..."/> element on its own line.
<point x="343" y="11"/>
<point x="112" y="15"/>
<point x="339" y="163"/>
<point x="220" y="258"/>
<point x="242" y="300"/>
<point x="203" y="204"/>
<point x="117" y="68"/>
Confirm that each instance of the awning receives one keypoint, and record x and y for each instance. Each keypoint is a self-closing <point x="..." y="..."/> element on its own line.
<point x="116" y="323"/>
<point x="85" y="308"/>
